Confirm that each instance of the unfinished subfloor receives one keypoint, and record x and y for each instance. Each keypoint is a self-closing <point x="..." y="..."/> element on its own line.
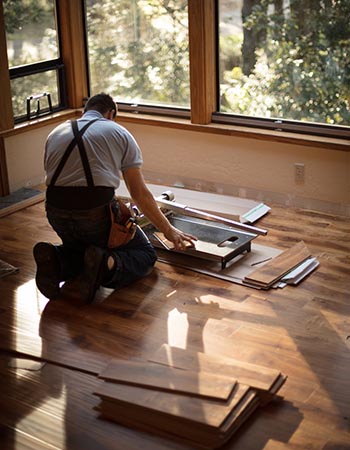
<point x="51" y="351"/>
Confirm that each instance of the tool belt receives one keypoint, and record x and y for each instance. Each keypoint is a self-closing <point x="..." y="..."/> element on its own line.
<point x="123" y="224"/>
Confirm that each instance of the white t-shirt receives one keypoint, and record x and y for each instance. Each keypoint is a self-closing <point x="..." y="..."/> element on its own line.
<point x="110" y="149"/>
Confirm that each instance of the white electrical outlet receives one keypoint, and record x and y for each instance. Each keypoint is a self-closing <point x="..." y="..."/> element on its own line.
<point x="299" y="172"/>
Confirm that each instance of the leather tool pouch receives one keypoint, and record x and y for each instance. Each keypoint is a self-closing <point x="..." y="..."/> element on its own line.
<point x="123" y="224"/>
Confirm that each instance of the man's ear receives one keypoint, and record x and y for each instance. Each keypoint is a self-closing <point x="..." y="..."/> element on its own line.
<point x="110" y="115"/>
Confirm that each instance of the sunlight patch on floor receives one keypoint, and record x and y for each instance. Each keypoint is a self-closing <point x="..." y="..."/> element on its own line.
<point x="29" y="306"/>
<point x="177" y="328"/>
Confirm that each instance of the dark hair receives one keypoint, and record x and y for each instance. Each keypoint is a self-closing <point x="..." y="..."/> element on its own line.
<point x="103" y="103"/>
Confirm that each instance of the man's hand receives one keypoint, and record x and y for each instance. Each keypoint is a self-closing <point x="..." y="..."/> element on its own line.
<point x="180" y="239"/>
<point x="144" y="199"/>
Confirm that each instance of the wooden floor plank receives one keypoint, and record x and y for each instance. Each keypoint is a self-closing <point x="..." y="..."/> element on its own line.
<point x="177" y="408"/>
<point x="273" y="270"/>
<point x="258" y="377"/>
<point x="302" y="332"/>
<point x="209" y="384"/>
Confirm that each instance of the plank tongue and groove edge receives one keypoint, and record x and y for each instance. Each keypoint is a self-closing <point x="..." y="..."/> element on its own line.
<point x="279" y="266"/>
<point x="161" y="377"/>
<point x="258" y="377"/>
<point x="196" y="423"/>
<point x="174" y="406"/>
<point x="153" y="395"/>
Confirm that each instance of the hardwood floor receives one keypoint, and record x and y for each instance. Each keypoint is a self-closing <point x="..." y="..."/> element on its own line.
<point x="52" y="351"/>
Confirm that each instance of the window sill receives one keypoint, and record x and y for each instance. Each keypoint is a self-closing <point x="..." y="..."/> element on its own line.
<point x="185" y="124"/>
<point x="24" y="127"/>
<point x="234" y="130"/>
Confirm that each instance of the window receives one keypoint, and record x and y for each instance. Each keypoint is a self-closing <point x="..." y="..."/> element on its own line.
<point x="138" y="51"/>
<point x="280" y="64"/>
<point x="36" y="71"/>
<point x="286" y="62"/>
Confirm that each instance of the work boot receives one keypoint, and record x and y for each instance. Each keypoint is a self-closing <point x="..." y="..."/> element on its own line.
<point x="48" y="269"/>
<point x="95" y="270"/>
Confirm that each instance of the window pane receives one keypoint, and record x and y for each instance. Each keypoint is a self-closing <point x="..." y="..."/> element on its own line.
<point x="38" y="83"/>
<point x="30" y="31"/>
<point x="138" y="50"/>
<point x="285" y="59"/>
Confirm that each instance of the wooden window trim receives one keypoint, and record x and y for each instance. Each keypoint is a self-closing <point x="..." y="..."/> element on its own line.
<point x="52" y="119"/>
<point x="6" y="116"/>
<point x="238" y="131"/>
<point x="73" y="50"/>
<point x="185" y="124"/>
<point x="202" y="44"/>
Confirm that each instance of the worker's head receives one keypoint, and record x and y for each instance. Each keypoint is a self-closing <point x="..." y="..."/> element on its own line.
<point x="103" y="103"/>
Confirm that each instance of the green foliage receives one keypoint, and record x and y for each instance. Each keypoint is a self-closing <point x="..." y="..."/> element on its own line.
<point x="230" y="51"/>
<point x="19" y="13"/>
<point x="141" y="48"/>
<point x="303" y="65"/>
<point x="31" y="37"/>
<point x="32" y="85"/>
<point x="138" y="52"/>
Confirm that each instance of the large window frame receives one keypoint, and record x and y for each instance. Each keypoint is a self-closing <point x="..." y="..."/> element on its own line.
<point x="56" y="65"/>
<point x="278" y="124"/>
<point x="204" y="95"/>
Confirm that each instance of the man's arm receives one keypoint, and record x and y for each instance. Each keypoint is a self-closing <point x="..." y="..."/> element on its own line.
<point x="144" y="199"/>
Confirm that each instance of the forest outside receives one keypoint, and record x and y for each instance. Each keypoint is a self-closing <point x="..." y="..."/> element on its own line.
<point x="280" y="59"/>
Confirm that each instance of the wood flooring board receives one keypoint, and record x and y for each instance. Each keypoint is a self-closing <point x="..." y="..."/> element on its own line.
<point x="172" y="435"/>
<point x="278" y="384"/>
<point x="12" y="438"/>
<point x="174" y="426"/>
<point x="195" y="410"/>
<point x="245" y="408"/>
<point x="183" y="432"/>
<point x="160" y="377"/>
<point x="20" y="417"/>
<point x="310" y="345"/>
<point x="258" y="377"/>
<point x="57" y="352"/>
<point x="280" y="265"/>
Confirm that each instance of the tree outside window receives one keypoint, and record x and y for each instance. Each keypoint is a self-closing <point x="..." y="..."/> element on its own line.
<point x="286" y="59"/>
<point x="138" y="50"/>
<point x="31" y="36"/>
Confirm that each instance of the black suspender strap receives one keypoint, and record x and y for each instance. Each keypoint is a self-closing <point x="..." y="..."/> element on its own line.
<point x="76" y="140"/>
<point x="83" y="156"/>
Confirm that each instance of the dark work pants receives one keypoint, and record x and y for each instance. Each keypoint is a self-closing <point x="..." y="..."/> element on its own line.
<point x="79" y="229"/>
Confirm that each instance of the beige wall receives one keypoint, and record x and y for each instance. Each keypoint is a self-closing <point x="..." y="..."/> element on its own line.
<point x="260" y="170"/>
<point x="247" y="168"/>
<point x="24" y="157"/>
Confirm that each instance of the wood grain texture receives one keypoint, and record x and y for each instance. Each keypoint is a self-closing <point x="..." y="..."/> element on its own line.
<point x="201" y="19"/>
<point x="302" y="332"/>
<point x="279" y="266"/>
<point x="190" y="433"/>
<point x="258" y="377"/>
<point x="73" y="51"/>
<point x="195" y="411"/>
<point x="159" y="377"/>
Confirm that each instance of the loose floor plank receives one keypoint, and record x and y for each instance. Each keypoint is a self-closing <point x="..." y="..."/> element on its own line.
<point x="258" y="377"/>
<point x="155" y="376"/>
<point x="273" y="270"/>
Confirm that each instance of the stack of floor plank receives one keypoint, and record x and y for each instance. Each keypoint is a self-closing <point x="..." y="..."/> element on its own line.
<point x="273" y="271"/>
<point x="193" y="397"/>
